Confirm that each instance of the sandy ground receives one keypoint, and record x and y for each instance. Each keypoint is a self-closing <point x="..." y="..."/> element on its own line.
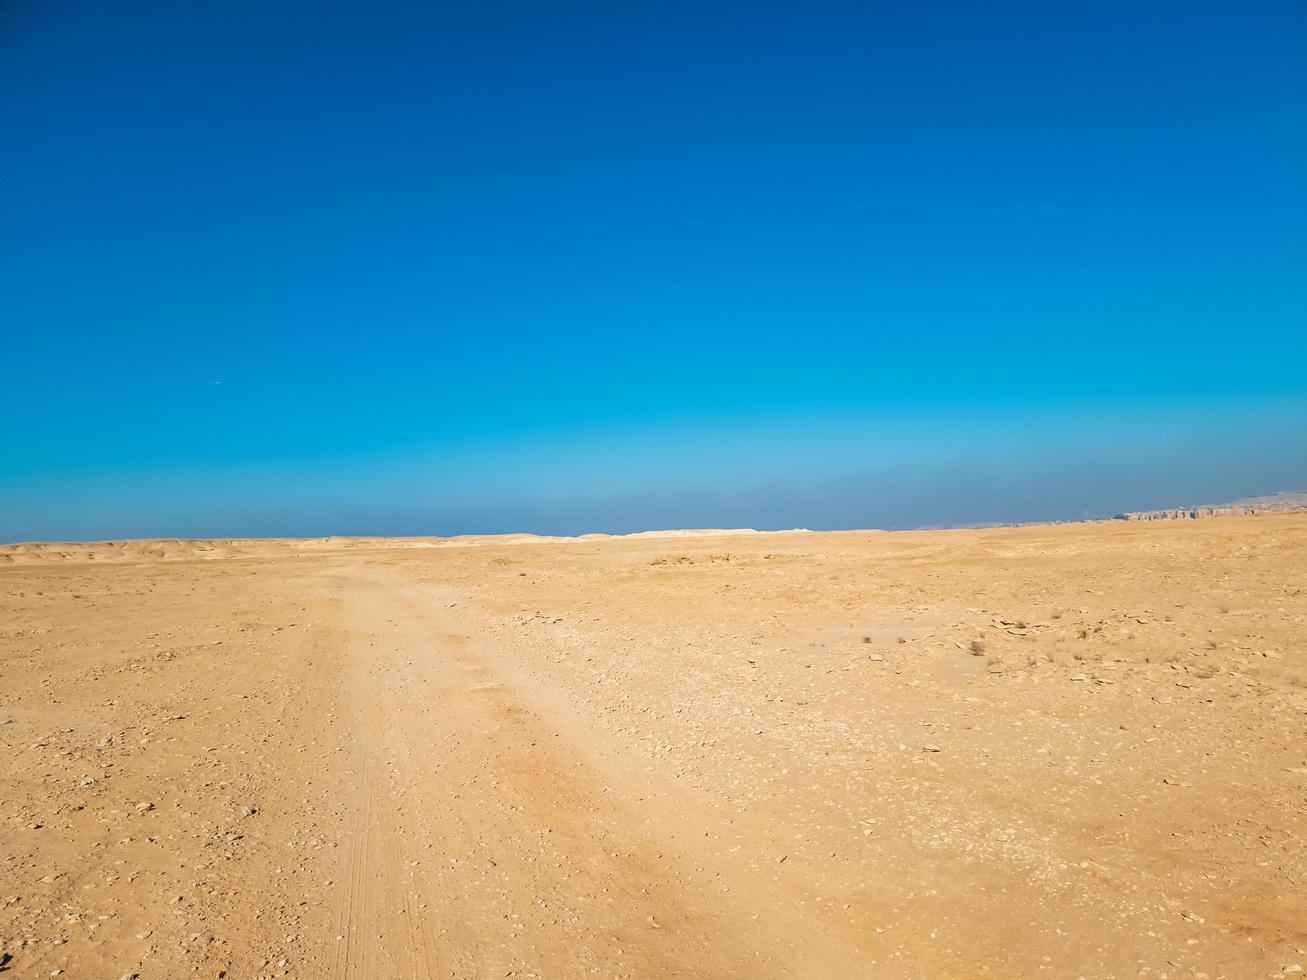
<point x="1075" y="751"/>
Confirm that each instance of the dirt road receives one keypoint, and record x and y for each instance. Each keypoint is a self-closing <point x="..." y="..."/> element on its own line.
<point x="1058" y="751"/>
<point x="490" y="837"/>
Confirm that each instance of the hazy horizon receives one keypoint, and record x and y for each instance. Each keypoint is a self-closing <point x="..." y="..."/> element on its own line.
<point x="437" y="269"/>
<point x="1168" y="464"/>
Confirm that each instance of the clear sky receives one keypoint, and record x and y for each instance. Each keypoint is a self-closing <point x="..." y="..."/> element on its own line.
<point x="393" y="267"/>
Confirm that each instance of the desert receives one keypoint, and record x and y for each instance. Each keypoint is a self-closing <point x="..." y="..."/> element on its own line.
<point x="653" y="491"/>
<point x="1065" y="750"/>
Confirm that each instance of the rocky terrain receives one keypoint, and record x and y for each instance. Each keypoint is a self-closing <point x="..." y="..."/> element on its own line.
<point x="1060" y="751"/>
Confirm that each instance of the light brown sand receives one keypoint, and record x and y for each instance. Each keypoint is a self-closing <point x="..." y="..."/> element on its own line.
<point x="718" y="756"/>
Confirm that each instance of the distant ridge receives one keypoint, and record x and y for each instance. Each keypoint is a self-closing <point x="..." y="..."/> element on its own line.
<point x="1285" y="500"/>
<point x="193" y="549"/>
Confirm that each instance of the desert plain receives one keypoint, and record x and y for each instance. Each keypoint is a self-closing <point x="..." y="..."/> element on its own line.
<point x="1052" y="751"/>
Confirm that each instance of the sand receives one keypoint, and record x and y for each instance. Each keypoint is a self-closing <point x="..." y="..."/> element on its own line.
<point x="1071" y="751"/>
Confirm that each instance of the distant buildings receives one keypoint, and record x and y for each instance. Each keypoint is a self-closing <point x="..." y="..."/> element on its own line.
<point x="1285" y="500"/>
<point x="1187" y="513"/>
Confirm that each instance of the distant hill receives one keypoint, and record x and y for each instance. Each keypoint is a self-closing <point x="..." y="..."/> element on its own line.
<point x="1285" y="500"/>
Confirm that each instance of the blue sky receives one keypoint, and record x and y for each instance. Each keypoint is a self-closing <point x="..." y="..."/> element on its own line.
<point x="428" y="268"/>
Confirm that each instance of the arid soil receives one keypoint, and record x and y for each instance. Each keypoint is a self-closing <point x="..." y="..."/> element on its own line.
<point x="1072" y="751"/>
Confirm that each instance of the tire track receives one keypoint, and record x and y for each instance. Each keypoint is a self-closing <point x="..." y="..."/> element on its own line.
<point x="534" y="866"/>
<point x="352" y="917"/>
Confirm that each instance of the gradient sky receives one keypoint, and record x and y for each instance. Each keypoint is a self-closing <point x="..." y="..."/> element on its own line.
<point x="424" y="268"/>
